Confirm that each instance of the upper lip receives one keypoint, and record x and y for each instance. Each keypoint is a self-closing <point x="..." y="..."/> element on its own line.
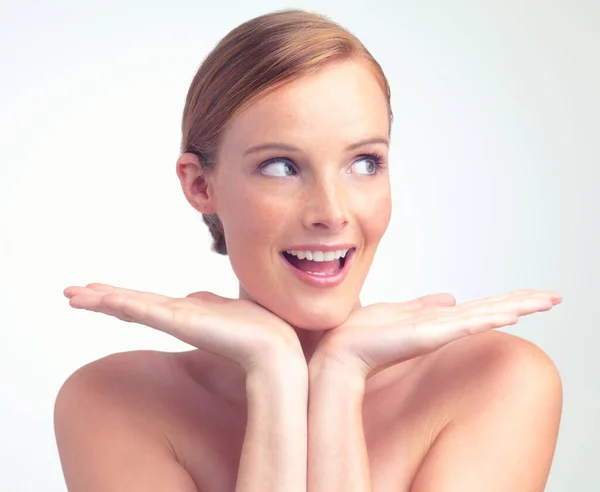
<point x="320" y="247"/>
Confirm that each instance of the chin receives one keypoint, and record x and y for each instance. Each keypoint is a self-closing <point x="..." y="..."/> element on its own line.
<point x="314" y="319"/>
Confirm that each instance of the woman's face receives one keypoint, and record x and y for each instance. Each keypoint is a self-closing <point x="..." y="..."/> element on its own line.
<point x="295" y="171"/>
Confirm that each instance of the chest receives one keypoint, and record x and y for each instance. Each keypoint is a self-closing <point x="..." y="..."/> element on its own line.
<point x="399" y="428"/>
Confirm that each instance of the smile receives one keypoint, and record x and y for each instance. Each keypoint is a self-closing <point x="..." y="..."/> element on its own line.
<point x="319" y="272"/>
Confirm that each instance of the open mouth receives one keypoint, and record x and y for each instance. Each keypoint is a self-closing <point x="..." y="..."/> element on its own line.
<point x="315" y="267"/>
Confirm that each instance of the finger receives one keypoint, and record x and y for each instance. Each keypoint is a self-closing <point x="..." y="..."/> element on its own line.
<point x="83" y="298"/>
<point x="91" y="300"/>
<point x="93" y="288"/>
<point x="137" y="294"/>
<point x="169" y="317"/>
<point x="430" y="300"/>
<point x="555" y="297"/>
<point x="498" y="297"/>
<point x="442" y="330"/>
<point x="165" y="317"/>
<point x="205" y="295"/>
<point x="436" y="334"/>
<point x="72" y="290"/>
<point x="426" y="334"/>
<point x="443" y="299"/>
<point x="529" y="304"/>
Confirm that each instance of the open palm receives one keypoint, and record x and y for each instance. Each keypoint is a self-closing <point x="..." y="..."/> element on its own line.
<point x="237" y="329"/>
<point x="383" y="334"/>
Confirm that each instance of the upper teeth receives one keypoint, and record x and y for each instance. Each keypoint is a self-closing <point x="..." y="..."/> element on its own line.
<point x="319" y="255"/>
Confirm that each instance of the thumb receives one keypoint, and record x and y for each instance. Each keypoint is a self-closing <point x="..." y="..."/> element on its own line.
<point x="204" y="295"/>
<point x="443" y="299"/>
<point x="430" y="300"/>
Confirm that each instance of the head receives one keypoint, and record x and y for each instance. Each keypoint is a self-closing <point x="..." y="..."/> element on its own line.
<point x="286" y="132"/>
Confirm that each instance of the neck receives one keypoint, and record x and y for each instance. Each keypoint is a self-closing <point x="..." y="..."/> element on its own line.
<point x="309" y="339"/>
<point x="225" y="379"/>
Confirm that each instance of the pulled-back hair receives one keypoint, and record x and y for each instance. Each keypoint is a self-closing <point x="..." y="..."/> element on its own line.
<point x="255" y="58"/>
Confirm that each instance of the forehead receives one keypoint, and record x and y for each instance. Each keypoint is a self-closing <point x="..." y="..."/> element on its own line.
<point x="340" y="104"/>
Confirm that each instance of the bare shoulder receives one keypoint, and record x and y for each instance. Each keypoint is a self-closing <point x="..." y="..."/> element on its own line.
<point x="501" y="398"/>
<point x="510" y="362"/>
<point x="125" y="381"/>
<point x="110" y="426"/>
<point x="493" y="368"/>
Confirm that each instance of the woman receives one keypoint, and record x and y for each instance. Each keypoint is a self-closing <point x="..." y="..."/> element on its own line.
<point x="295" y="385"/>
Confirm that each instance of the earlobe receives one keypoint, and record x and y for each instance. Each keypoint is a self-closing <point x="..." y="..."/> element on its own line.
<point x="195" y="183"/>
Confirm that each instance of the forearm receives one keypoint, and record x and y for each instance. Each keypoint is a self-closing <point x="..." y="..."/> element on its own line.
<point x="274" y="451"/>
<point x="337" y="452"/>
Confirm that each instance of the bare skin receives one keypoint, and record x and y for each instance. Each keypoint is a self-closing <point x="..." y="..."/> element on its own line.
<point x="189" y="411"/>
<point x="404" y="412"/>
<point x="297" y="388"/>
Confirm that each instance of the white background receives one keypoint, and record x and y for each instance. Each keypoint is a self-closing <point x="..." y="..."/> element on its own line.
<point x="495" y="148"/>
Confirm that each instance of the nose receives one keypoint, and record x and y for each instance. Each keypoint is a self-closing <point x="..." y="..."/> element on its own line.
<point x="325" y="207"/>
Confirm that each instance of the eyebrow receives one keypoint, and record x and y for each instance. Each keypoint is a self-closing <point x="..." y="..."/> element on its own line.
<point x="284" y="146"/>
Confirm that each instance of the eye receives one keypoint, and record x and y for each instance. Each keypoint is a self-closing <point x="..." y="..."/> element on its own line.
<point x="282" y="167"/>
<point x="370" y="162"/>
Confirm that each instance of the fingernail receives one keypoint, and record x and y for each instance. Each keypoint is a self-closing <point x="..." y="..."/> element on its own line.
<point x="555" y="296"/>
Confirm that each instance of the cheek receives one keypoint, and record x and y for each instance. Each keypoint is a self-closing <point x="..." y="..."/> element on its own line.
<point x="251" y="219"/>
<point x="376" y="213"/>
<point x="384" y="215"/>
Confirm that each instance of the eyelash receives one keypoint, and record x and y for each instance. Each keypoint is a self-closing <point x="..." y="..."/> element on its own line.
<point x="376" y="158"/>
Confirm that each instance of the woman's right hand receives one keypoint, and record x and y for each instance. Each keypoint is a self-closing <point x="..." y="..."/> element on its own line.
<point x="237" y="329"/>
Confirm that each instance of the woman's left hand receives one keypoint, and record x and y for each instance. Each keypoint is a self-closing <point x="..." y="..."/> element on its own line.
<point x="384" y="334"/>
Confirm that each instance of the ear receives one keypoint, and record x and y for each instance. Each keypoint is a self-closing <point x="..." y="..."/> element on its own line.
<point x="195" y="183"/>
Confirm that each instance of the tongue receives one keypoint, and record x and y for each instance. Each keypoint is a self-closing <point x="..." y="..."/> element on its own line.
<point x="323" y="267"/>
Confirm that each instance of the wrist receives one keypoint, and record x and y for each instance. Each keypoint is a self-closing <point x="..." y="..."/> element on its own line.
<point x="279" y="375"/>
<point x="328" y="372"/>
<point x="277" y="357"/>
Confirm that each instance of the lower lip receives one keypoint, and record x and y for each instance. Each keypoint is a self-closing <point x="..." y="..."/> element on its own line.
<point x="322" y="280"/>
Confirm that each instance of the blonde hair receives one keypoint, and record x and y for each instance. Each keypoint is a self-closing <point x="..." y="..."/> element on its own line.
<point x="255" y="58"/>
